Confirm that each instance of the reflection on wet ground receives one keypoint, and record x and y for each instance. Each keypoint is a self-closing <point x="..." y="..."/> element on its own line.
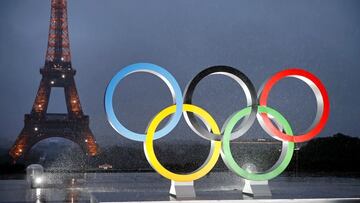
<point x="79" y="189"/>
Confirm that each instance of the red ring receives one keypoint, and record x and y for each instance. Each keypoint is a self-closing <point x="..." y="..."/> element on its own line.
<point x="326" y="105"/>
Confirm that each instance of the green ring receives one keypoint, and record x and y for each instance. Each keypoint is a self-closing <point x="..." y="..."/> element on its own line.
<point x="279" y="166"/>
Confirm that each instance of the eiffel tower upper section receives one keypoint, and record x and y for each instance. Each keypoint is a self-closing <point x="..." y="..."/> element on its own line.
<point x="58" y="71"/>
<point x="58" y="54"/>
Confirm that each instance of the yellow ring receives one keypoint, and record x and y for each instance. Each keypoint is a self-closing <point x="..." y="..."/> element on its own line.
<point x="149" y="147"/>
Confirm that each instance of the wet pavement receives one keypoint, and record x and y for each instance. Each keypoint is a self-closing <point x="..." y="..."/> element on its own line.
<point x="151" y="186"/>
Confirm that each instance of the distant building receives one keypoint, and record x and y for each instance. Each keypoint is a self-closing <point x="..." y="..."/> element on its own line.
<point x="105" y="166"/>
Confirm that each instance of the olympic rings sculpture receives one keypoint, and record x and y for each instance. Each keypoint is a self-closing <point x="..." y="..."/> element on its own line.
<point x="256" y="109"/>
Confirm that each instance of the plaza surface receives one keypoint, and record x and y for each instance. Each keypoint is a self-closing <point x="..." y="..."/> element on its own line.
<point x="152" y="187"/>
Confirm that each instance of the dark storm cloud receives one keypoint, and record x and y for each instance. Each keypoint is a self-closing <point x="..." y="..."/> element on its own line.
<point x="258" y="37"/>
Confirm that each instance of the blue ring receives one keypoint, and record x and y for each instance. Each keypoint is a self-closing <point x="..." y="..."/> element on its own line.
<point x="162" y="74"/>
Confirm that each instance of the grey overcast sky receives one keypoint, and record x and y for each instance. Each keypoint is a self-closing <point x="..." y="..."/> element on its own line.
<point x="257" y="37"/>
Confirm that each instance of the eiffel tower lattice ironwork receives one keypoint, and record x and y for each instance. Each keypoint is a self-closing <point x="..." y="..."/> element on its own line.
<point x="57" y="72"/>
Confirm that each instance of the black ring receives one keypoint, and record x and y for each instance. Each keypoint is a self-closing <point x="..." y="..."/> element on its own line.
<point x="242" y="80"/>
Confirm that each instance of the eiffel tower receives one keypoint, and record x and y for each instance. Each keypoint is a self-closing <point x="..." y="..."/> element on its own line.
<point x="57" y="72"/>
